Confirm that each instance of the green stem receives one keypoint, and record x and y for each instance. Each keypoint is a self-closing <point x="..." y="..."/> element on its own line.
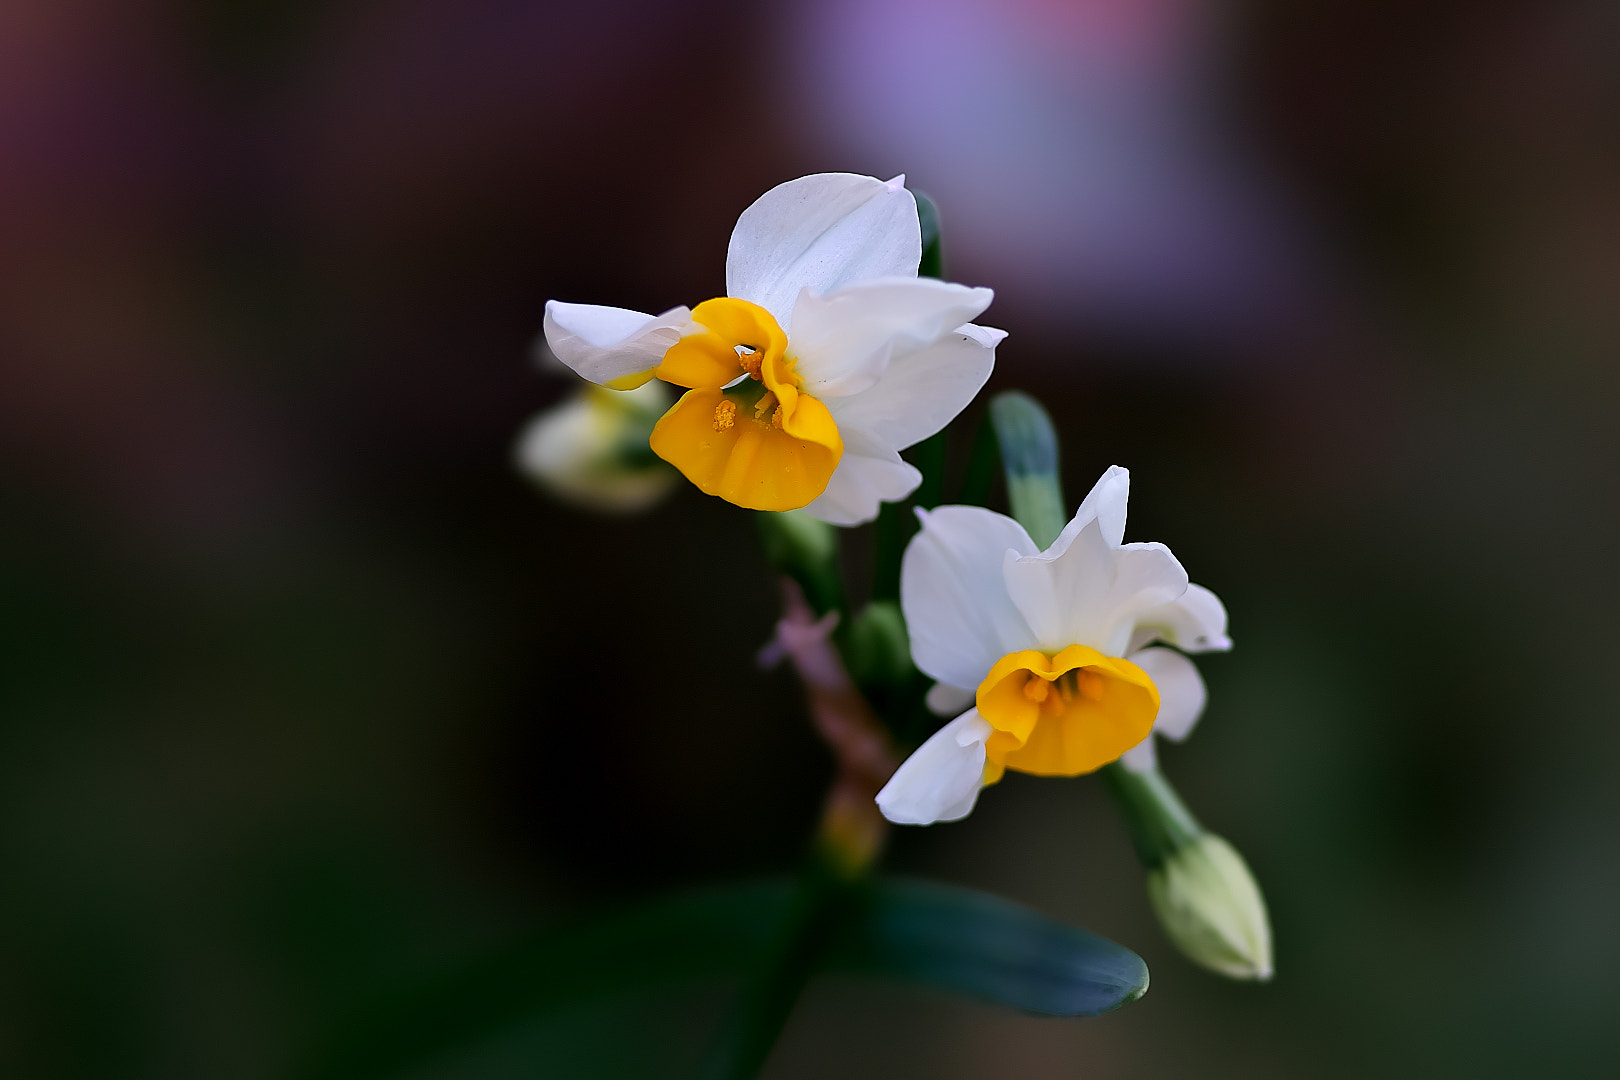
<point x="1159" y="822"/>
<point x="824" y="902"/>
<point x="806" y="550"/>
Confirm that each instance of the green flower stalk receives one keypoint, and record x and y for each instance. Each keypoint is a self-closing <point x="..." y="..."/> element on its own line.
<point x="1202" y="891"/>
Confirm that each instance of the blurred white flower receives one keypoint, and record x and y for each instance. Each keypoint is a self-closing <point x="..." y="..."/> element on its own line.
<point x="591" y="449"/>
<point x="1054" y="646"/>
<point x="827" y="357"/>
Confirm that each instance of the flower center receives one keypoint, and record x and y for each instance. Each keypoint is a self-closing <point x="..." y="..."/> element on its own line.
<point x="745" y="430"/>
<point x="1065" y="714"/>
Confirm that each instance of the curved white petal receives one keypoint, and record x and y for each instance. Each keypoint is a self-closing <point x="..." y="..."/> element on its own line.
<point x="1105" y="504"/>
<point x="1142" y="757"/>
<point x="845" y="339"/>
<point x="1195" y="622"/>
<point x="609" y="344"/>
<point x="1091" y="592"/>
<point x="922" y="391"/>
<point x="940" y="781"/>
<point x="943" y="699"/>
<point x="1182" y="694"/>
<point x="954" y="596"/>
<point x="822" y="232"/>
<point x="867" y="476"/>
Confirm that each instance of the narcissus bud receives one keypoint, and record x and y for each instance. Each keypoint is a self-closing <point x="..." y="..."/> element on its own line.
<point x="1208" y="903"/>
<point x="591" y="449"/>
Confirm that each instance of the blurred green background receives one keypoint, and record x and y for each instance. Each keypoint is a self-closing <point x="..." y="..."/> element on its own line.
<point x="305" y="694"/>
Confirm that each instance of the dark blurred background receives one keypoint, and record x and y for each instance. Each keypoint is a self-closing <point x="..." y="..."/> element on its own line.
<point x="304" y="692"/>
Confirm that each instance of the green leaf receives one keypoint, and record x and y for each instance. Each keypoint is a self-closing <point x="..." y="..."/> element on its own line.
<point x="1029" y="454"/>
<point x="984" y="462"/>
<point x="932" y="264"/>
<point x="929" y="458"/>
<point x="689" y="935"/>
<point x="981" y="946"/>
<point x="954" y="939"/>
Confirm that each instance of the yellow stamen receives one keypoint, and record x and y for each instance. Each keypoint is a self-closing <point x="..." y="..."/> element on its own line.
<point x="782" y="461"/>
<point x="1089" y="683"/>
<point x="1103" y="706"/>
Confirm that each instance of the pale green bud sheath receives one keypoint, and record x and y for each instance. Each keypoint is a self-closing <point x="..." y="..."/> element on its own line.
<point x="1199" y="886"/>
<point x="1029" y="455"/>
<point x="1208" y="903"/>
<point x="1201" y="889"/>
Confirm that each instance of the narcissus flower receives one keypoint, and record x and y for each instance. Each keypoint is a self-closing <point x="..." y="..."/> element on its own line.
<point x="827" y="357"/>
<point x="591" y="449"/>
<point x="1055" y="648"/>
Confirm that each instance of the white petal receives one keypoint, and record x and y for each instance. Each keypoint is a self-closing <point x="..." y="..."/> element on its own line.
<point x="1182" y="695"/>
<point x="1105" y="504"/>
<point x="1141" y="757"/>
<point x="845" y="339"/>
<point x="940" y="781"/>
<point x="821" y="233"/>
<point x="608" y="344"/>
<point x="943" y="699"/>
<point x="1091" y="592"/>
<point x="1196" y="622"/>
<point x="868" y="475"/>
<point x="922" y="391"/>
<point x="954" y="597"/>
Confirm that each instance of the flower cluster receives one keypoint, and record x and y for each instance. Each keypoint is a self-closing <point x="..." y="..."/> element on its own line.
<point x="827" y="356"/>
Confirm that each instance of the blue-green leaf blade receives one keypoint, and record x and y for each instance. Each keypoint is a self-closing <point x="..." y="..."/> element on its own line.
<point x="981" y="946"/>
<point x="680" y="937"/>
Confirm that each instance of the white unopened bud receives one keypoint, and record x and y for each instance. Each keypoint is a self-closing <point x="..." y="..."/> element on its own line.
<point x="591" y="449"/>
<point x="1208" y="903"/>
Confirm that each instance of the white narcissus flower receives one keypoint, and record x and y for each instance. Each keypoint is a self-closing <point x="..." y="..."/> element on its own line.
<point x="1053" y="647"/>
<point x="828" y="356"/>
<point x="591" y="448"/>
